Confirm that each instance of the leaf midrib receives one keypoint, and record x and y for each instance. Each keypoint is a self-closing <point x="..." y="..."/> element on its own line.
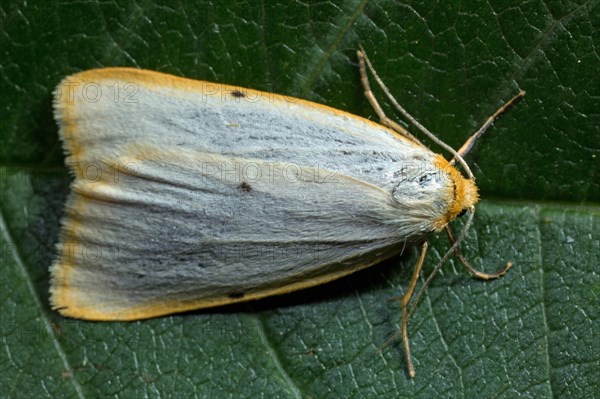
<point x="44" y="317"/>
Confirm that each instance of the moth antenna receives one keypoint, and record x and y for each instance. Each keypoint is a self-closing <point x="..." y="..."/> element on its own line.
<point x="408" y="116"/>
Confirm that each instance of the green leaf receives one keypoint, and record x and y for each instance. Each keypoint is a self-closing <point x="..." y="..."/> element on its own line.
<point x="533" y="333"/>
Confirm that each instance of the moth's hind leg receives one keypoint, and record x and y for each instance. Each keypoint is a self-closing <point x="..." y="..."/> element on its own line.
<point x="404" y="301"/>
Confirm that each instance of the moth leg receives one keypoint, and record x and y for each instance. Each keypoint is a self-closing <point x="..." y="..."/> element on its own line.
<point x="466" y="147"/>
<point x="404" y="301"/>
<point x="471" y="269"/>
<point x="364" y="78"/>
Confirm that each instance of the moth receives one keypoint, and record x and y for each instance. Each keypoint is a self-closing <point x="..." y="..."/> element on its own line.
<point x="189" y="194"/>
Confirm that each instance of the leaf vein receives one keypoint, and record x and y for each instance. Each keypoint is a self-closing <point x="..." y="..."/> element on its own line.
<point x="44" y="317"/>
<point x="273" y="354"/>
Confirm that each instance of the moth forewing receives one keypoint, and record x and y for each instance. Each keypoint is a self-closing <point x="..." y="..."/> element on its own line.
<point x="200" y="198"/>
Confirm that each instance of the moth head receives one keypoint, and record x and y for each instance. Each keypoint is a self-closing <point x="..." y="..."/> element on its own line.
<point x="464" y="193"/>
